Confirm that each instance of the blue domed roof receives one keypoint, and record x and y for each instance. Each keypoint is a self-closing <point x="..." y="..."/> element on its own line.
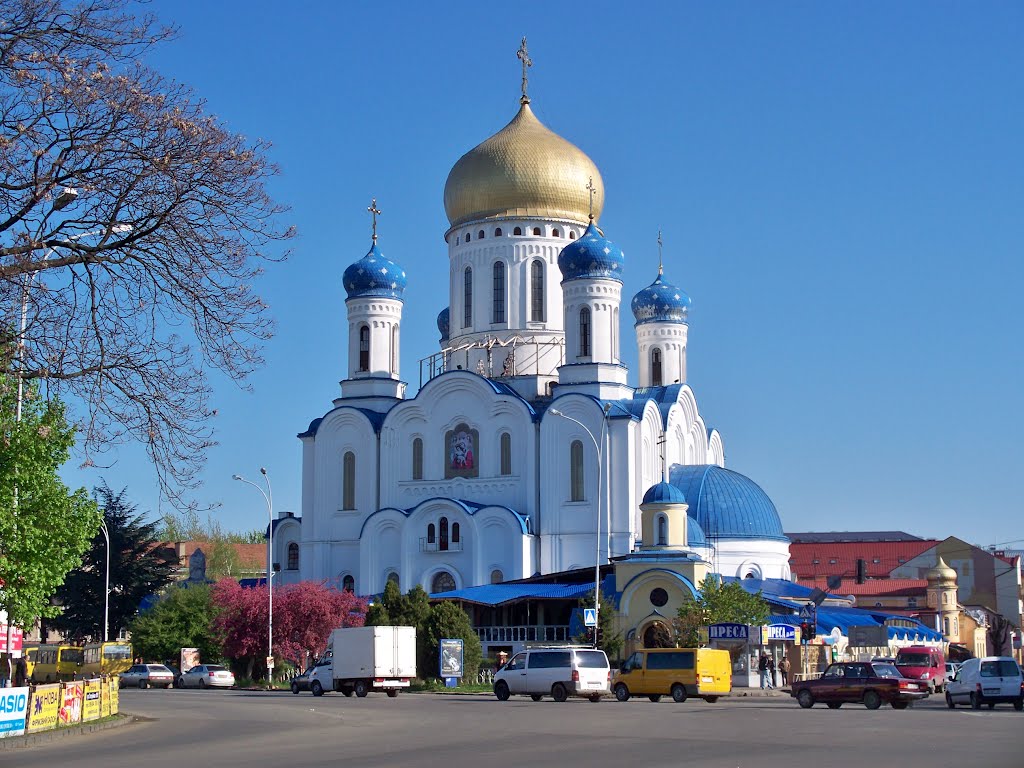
<point x="726" y="504"/>
<point x="444" y="322"/>
<point x="374" y="275"/>
<point x="663" y="493"/>
<point x="695" y="534"/>
<point x="591" y="256"/>
<point x="660" y="302"/>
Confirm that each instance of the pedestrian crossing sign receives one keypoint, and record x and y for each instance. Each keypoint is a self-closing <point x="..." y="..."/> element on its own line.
<point x="590" y="617"/>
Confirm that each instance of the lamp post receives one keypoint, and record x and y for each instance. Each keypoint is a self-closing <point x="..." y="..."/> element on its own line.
<point x="268" y="496"/>
<point x="600" y="473"/>
<point x="106" y="587"/>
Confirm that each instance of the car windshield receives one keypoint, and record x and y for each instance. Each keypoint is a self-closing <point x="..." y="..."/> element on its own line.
<point x="885" y="670"/>
<point x="1001" y="668"/>
<point x="914" y="660"/>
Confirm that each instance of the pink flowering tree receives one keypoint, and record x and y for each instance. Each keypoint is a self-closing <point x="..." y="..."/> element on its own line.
<point x="242" y="614"/>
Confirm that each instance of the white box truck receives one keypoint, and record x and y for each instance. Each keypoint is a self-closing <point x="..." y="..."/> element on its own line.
<point x="364" y="659"/>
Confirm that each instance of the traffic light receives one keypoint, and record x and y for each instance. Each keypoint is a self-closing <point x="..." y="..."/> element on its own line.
<point x="807" y="631"/>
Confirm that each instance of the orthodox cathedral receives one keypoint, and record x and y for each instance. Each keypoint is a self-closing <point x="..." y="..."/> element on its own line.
<point x="526" y="450"/>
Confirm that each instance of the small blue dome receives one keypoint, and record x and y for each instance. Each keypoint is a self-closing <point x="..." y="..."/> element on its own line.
<point x="444" y="322"/>
<point x="374" y="275"/>
<point x="726" y="504"/>
<point x="663" y="493"/>
<point x="591" y="256"/>
<point x="695" y="534"/>
<point x="660" y="302"/>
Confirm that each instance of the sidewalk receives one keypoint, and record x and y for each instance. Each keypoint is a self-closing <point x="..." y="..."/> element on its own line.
<point x="769" y="692"/>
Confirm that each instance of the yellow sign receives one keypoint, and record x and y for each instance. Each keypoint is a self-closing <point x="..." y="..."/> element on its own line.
<point x="91" y="703"/>
<point x="71" y="704"/>
<point x="104" y="698"/>
<point x="43" y="706"/>
<point x="115" y="694"/>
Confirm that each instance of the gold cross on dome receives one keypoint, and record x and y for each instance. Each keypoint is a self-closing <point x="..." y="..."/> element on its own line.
<point x="659" y="252"/>
<point x="524" y="57"/>
<point x="591" y="190"/>
<point x="374" y="212"/>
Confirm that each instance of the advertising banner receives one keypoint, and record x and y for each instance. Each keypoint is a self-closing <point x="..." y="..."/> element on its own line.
<point x="91" y="703"/>
<point x="71" y="703"/>
<point x="104" y="698"/>
<point x="779" y="632"/>
<point x="16" y="640"/>
<point x="451" y="658"/>
<point x="13" y="711"/>
<point x="115" y="694"/>
<point x="189" y="659"/>
<point x="44" y="707"/>
<point x="728" y="631"/>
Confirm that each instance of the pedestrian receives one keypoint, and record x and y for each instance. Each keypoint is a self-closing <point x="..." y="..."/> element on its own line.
<point x="771" y="668"/>
<point x="784" y="670"/>
<point x="20" y="673"/>
<point x="762" y="667"/>
<point x="502" y="658"/>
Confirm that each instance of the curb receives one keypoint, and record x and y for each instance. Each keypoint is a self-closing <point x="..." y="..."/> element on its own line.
<point x="45" y="737"/>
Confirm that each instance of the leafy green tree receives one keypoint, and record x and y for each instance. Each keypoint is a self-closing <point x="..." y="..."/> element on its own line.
<point x="609" y="639"/>
<point x="183" y="618"/>
<point x="448" y="620"/>
<point x="717" y="602"/>
<point x="138" y="568"/>
<point x="218" y="544"/>
<point x="44" y="528"/>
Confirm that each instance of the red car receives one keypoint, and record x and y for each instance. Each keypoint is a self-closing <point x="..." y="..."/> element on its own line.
<point x="860" y="682"/>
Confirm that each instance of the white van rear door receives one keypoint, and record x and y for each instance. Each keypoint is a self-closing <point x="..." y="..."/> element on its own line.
<point x="593" y="670"/>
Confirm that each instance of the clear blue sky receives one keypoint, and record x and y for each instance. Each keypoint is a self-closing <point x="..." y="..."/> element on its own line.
<point x="840" y="185"/>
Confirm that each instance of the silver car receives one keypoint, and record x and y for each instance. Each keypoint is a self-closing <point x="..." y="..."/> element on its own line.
<point x="146" y="676"/>
<point x="207" y="676"/>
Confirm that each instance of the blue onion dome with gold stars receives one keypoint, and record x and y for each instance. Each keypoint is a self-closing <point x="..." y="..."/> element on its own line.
<point x="591" y="256"/>
<point x="374" y="275"/>
<point x="661" y="302"/>
<point x="444" y="322"/>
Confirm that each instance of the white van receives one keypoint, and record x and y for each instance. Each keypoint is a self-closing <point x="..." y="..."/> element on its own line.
<point x="991" y="680"/>
<point x="559" y="672"/>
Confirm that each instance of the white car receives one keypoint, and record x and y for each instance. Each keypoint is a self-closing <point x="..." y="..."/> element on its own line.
<point x="207" y="676"/>
<point x="145" y="676"/>
<point x="559" y="672"/>
<point x="991" y="680"/>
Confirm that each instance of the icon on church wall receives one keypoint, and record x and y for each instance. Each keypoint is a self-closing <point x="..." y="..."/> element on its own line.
<point x="463" y="444"/>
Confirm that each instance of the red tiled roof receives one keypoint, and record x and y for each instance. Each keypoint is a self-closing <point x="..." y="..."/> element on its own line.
<point x="816" y="559"/>
<point x="873" y="587"/>
<point x="250" y="556"/>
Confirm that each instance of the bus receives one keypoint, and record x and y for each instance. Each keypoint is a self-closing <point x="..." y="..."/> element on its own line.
<point x="106" y="659"/>
<point x="53" y="663"/>
<point x="30" y="653"/>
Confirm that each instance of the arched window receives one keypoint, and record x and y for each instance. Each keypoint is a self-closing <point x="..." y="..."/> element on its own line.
<point x="348" y="481"/>
<point x="572" y="235"/>
<point x="431" y="534"/>
<point x="662" y="531"/>
<point x="498" y="302"/>
<point x="417" y="459"/>
<point x="585" y="332"/>
<point x="497" y="232"/>
<point x="393" y="576"/>
<point x="293" y="557"/>
<point x="556" y="233"/>
<point x="536" y="231"/>
<point x="442" y="582"/>
<point x="517" y="231"/>
<point x="468" y="237"/>
<point x="506" y="453"/>
<point x="442" y="542"/>
<point x="945" y="626"/>
<point x="537" y="291"/>
<point x="497" y="576"/>
<point x="480" y="235"/>
<point x="576" y="471"/>
<point x="394" y="349"/>
<point x="455" y="533"/>
<point x="467" y="297"/>
<point x="364" y="348"/>
<point x="656" y="367"/>
<point x="348" y="584"/>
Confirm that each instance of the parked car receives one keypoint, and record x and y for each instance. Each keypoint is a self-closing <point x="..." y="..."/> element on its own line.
<point x="559" y="672"/>
<point x="951" y="668"/>
<point x="300" y="682"/>
<point x="145" y="676"/>
<point x="861" y="682"/>
<point x="991" y="680"/>
<point x="207" y="676"/>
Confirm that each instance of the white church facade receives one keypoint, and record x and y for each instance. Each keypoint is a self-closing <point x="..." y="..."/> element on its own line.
<point x="527" y="451"/>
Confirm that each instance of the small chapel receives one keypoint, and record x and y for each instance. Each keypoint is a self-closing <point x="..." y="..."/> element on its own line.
<point x="529" y="448"/>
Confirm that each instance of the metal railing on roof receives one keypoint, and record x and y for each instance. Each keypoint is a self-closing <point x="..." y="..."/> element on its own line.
<point x="527" y="356"/>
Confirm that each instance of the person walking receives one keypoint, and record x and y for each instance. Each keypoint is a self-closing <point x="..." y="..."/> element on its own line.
<point x="771" y="669"/>
<point x="762" y="667"/>
<point x="784" y="670"/>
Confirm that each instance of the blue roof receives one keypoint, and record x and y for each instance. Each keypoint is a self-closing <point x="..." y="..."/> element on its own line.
<point x="375" y="418"/>
<point x="663" y="493"/>
<point x="591" y="256"/>
<point x="374" y="275"/>
<point x="444" y="322"/>
<point x="496" y="594"/>
<point x="727" y="505"/>
<point x="660" y="302"/>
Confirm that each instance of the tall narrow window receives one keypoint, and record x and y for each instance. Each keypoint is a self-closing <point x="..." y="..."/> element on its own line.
<point x="537" y="291"/>
<point x="431" y="534"/>
<point x="498" y="314"/>
<point x="662" y="532"/>
<point x="585" y="332"/>
<point x="348" y="584"/>
<point x="417" y="459"/>
<point x="467" y="297"/>
<point x="348" y="484"/>
<point x="455" y="533"/>
<point x="293" y="557"/>
<point x="576" y="471"/>
<point x="394" y="349"/>
<point x="656" y="367"/>
<point x="364" y="348"/>
<point x="442" y="527"/>
<point x="506" y="453"/>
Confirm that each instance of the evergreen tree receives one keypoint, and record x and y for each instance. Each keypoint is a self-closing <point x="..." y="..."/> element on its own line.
<point x="138" y="569"/>
<point x="183" y="618"/>
<point x="448" y="620"/>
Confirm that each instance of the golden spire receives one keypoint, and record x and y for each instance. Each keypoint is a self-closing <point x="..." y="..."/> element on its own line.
<point x="592" y="190"/>
<point x="374" y="212"/>
<point x="524" y="57"/>
<point x="659" y="252"/>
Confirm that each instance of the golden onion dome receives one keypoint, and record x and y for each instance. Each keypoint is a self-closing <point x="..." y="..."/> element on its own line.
<point x="941" y="572"/>
<point x="524" y="170"/>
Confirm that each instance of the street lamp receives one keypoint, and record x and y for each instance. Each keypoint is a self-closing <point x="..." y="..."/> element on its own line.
<point x="268" y="496"/>
<point x="600" y="467"/>
<point x="106" y="587"/>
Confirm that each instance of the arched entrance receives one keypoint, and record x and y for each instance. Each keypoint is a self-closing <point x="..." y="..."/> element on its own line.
<point x="658" y="635"/>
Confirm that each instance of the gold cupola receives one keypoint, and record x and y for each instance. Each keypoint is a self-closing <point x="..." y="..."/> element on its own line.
<point x="525" y="170"/>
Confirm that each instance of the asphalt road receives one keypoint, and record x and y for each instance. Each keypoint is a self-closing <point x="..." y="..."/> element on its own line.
<point x="254" y="729"/>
